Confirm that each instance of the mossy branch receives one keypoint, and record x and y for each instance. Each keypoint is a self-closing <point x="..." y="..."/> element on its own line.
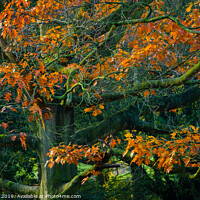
<point x="16" y="188"/>
<point x="150" y="84"/>
<point x="123" y="120"/>
<point x="170" y="81"/>
<point x="75" y="184"/>
<point x="154" y="19"/>
<point x="197" y="174"/>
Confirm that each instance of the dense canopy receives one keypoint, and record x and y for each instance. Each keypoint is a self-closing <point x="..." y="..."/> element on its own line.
<point x="95" y="80"/>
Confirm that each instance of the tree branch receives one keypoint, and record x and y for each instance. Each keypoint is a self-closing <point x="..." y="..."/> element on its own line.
<point x="169" y="102"/>
<point x="175" y="20"/>
<point x="16" y="188"/>
<point x="31" y="141"/>
<point x="161" y="83"/>
<point x="197" y="174"/>
<point x="130" y="120"/>
<point x="127" y="10"/>
<point x="123" y="120"/>
<point x="175" y="170"/>
<point x="75" y="184"/>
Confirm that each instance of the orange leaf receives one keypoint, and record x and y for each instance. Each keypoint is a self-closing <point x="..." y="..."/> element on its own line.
<point x="13" y="109"/>
<point x="85" y="179"/>
<point x="118" y="140"/>
<point x="173" y="135"/>
<point x="13" y="137"/>
<point x="96" y="112"/>
<point x="194" y="129"/>
<point x="4" y="125"/>
<point x="89" y="109"/>
<point x="153" y="92"/>
<point x="47" y="116"/>
<point x="97" y="95"/>
<point x="113" y="143"/>
<point x="51" y="164"/>
<point x="101" y="106"/>
<point x="95" y="82"/>
<point x="30" y="118"/>
<point x="128" y="135"/>
<point x="4" y="33"/>
<point x="146" y="93"/>
<point x="7" y="96"/>
<point x="189" y="8"/>
<point x="57" y="159"/>
<point x="173" y="110"/>
<point x="23" y="138"/>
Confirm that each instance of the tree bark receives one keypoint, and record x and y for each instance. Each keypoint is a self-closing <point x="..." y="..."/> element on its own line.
<point x="57" y="129"/>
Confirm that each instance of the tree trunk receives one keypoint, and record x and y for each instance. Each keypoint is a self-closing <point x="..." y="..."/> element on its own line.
<point x="57" y="129"/>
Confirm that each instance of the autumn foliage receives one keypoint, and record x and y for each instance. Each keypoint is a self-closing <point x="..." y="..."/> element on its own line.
<point x="58" y="51"/>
